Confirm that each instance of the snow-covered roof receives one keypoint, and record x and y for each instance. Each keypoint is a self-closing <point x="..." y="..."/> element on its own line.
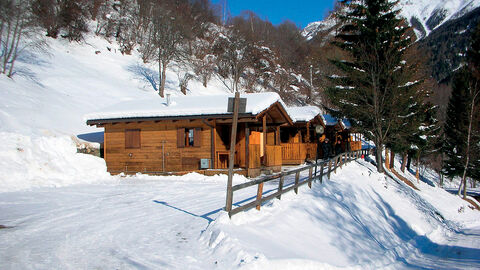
<point x="346" y="123"/>
<point x="303" y="114"/>
<point x="329" y="120"/>
<point x="184" y="106"/>
<point x="332" y="121"/>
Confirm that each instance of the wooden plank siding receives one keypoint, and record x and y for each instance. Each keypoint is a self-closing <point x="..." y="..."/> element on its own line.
<point x="153" y="137"/>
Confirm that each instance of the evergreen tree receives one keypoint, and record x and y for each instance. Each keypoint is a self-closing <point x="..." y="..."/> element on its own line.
<point x="375" y="88"/>
<point x="462" y="128"/>
<point x="424" y="141"/>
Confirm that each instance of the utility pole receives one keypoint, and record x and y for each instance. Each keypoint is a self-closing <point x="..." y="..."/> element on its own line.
<point x="233" y="142"/>
<point x="311" y="83"/>
<point x="224" y="11"/>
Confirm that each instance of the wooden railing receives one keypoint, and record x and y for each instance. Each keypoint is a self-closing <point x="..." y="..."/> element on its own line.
<point x="355" y="145"/>
<point x="315" y="171"/>
<point x="298" y="152"/>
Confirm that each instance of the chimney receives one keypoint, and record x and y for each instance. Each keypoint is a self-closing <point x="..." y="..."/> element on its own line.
<point x="168" y="99"/>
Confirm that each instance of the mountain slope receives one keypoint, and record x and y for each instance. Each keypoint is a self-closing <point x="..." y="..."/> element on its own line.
<point x="428" y="15"/>
<point x="76" y="79"/>
<point x="424" y="15"/>
<point x="442" y="28"/>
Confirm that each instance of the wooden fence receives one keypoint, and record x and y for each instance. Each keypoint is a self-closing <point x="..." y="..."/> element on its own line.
<point x="315" y="171"/>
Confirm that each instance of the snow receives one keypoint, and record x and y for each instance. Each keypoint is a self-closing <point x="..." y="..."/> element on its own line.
<point x="358" y="219"/>
<point x="28" y="162"/>
<point x="357" y="211"/>
<point x="74" y="81"/>
<point x="422" y="10"/>
<point x="303" y="113"/>
<point x="61" y="210"/>
<point x="184" y="106"/>
<point x="311" y="30"/>
<point x="346" y="123"/>
<point x="329" y="120"/>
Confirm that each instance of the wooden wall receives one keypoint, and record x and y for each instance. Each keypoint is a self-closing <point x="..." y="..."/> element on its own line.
<point x="148" y="158"/>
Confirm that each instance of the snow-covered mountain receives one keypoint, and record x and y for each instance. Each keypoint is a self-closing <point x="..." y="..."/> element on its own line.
<point x="427" y="15"/>
<point x="312" y="29"/>
<point x="442" y="27"/>
<point x="424" y="15"/>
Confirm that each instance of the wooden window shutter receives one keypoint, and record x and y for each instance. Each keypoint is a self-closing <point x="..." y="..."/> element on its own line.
<point x="132" y="138"/>
<point x="181" y="138"/>
<point x="197" y="137"/>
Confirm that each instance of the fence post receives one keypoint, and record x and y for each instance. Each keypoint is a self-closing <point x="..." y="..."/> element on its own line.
<point x="335" y="166"/>
<point x="321" y="173"/>
<point x="310" y="177"/>
<point x="259" y="196"/>
<point x="343" y="159"/>
<point x="297" y="178"/>
<point x="280" y="187"/>
<point x="329" y="168"/>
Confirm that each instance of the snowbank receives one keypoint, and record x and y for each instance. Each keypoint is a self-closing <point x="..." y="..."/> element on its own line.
<point x="39" y="161"/>
<point x="359" y="219"/>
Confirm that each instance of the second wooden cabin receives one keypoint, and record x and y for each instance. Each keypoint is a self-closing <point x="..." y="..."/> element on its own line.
<point x="299" y="141"/>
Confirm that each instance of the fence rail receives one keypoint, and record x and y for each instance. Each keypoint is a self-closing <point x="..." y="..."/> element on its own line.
<point x="315" y="171"/>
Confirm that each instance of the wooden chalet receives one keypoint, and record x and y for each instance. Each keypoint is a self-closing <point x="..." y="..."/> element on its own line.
<point x="341" y="129"/>
<point x="300" y="141"/>
<point x="190" y="133"/>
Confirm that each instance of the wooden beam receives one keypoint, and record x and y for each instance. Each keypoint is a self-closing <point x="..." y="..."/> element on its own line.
<point x="215" y="164"/>
<point x="277" y="133"/>
<point x="105" y="144"/>
<point x="308" y="133"/>
<point x="212" y="146"/>
<point x="242" y="120"/>
<point x="247" y="144"/>
<point x="264" y="138"/>
<point x="259" y="196"/>
<point x="297" y="177"/>
<point x="280" y="187"/>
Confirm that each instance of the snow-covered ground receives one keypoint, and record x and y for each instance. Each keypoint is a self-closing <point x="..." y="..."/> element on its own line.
<point x="62" y="210"/>
<point x="358" y="219"/>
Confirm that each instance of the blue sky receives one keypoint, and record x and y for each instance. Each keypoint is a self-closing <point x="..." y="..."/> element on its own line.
<point x="301" y="12"/>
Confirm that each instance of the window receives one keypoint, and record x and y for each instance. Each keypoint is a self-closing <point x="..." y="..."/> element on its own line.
<point x="132" y="138"/>
<point x="189" y="137"/>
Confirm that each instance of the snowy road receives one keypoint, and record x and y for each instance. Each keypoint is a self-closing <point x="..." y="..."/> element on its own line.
<point x="144" y="225"/>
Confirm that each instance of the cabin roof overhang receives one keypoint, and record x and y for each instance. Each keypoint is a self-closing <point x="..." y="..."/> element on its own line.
<point x="246" y="117"/>
<point x="275" y="114"/>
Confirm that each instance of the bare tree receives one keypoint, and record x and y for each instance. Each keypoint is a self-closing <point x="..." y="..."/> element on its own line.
<point x="165" y="35"/>
<point x="202" y="59"/>
<point x="16" y="33"/>
<point x="232" y="50"/>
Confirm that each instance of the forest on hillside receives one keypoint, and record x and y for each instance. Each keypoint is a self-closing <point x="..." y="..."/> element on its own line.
<point x="245" y="52"/>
